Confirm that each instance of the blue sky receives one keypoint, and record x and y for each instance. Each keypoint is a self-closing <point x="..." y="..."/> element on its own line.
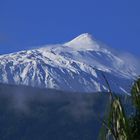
<point x="26" y="23"/>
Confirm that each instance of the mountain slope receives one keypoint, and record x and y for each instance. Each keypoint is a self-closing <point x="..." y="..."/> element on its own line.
<point x="32" y="113"/>
<point x="78" y="66"/>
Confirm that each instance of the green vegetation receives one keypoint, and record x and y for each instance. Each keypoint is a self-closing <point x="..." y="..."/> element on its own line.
<point x="119" y="124"/>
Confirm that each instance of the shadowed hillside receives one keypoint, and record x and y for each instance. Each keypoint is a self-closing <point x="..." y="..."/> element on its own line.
<point x="40" y="114"/>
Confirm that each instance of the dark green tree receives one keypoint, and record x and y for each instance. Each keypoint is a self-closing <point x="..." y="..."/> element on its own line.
<point x="135" y="117"/>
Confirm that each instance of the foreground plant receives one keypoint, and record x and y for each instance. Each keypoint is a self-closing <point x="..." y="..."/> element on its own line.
<point x="120" y="126"/>
<point x="134" y="119"/>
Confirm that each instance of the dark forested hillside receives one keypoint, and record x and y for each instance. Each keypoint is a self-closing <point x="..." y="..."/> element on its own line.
<point x="39" y="114"/>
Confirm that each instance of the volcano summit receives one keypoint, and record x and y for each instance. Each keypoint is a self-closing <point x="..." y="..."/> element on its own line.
<point x="76" y="66"/>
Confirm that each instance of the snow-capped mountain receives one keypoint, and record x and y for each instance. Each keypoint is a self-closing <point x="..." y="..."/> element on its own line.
<point x="78" y="65"/>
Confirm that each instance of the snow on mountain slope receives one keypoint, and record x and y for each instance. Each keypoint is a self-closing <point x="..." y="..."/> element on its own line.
<point x="78" y="66"/>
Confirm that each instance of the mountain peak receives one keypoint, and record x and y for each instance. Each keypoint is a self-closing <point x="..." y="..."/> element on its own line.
<point x="83" y="36"/>
<point x="76" y="66"/>
<point x="83" y="41"/>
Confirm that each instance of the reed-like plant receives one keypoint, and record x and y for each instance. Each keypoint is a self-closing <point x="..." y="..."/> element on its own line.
<point x="118" y="125"/>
